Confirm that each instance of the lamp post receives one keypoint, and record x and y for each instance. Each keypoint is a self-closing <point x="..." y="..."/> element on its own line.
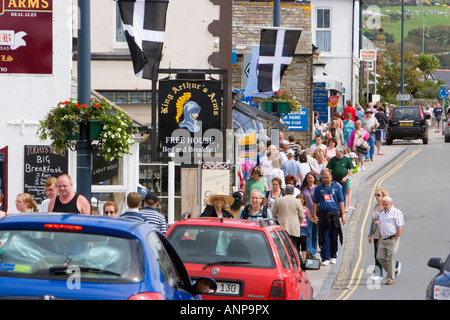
<point x="402" y="82"/>
<point x="84" y="156"/>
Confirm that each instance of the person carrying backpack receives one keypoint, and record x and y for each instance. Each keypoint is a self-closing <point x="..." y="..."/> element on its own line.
<point x="255" y="210"/>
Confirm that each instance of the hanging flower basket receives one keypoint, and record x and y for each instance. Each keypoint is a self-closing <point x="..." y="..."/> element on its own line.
<point x="111" y="127"/>
<point x="280" y="102"/>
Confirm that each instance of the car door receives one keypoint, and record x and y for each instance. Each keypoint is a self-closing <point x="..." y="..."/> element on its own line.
<point x="178" y="282"/>
<point x="294" y="276"/>
<point x="302" y="285"/>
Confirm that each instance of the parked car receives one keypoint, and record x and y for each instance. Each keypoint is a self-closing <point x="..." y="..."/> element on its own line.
<point x="446" y="126"/>
<point x="439" y="287"/>
<point x="406" y="123"/>
<point x="74" y="256"/>
<point x="249" y="260"/>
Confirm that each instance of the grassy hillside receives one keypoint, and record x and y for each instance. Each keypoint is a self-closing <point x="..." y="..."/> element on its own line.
<point x="392" y="24"/>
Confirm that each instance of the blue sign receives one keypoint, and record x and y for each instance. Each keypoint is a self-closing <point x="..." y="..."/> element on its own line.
<point x="320" y="101"/>
<point x="296" y="121"/>
<point x="443" y="93"/>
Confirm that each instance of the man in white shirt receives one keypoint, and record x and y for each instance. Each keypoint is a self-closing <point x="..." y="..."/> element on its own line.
<point x="391" y="225"/>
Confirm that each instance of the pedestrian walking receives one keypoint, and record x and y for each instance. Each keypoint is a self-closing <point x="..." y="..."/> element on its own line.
<point x="437" y="111"/>
<point x="307" y="188"/>
<point x="134" y="200"/>
<point x="237" y="205"/>
<point x="358" y="136"/>
<point x="374" y="230"/>
<point x="110" y="209"/>
<point x="380" y="132"/>
<point x="67" y="200"/>
<point x="26" y="203"/>
<point x="329" y="207"/>
<point x="255" y="181"/>
<point x="341" y="169"/>
<point x="255" y="210"/>
<point x="391" y="225"/>
<point x="370" y="123"/>
<point x="349" y="126"/>
<point x="217" y="204"/>
<point x="291" y="167"/>
<point x="349" y="109"/>
<point x="152" y="215"/>
<point x="303" y="242"/>
<point x="51" y="191"/>
<point x="274" y="193"/>
<point x="289" y="212"/>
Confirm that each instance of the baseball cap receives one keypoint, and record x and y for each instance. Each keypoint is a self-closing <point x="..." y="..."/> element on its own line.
<point x="151" y="198"/>
<point x="290" y="151"/>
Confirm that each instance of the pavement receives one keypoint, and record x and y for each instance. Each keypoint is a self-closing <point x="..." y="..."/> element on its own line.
<point x="322" y="280"/>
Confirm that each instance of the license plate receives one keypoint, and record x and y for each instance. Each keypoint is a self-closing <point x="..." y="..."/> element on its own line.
<point x="231" y="288"/>
<point x="405" y="124"/>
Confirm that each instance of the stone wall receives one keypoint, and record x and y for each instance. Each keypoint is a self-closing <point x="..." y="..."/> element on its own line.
<point x="248" y="18"/>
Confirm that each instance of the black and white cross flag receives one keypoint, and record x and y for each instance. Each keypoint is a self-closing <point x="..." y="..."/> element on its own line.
<point x="276" y="51"/>
<point x="144" y="22"/>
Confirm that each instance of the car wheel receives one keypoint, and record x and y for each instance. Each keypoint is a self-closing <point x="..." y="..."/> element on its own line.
<point x="447" y="138"/>
<point x="388" y="141"/>
<point x="425" y="140"/>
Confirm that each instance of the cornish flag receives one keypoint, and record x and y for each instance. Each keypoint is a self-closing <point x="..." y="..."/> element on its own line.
<point x="144" y="22"/>
<point x="276" y="50"/>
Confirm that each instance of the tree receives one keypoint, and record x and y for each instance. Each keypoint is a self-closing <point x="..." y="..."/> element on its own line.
<point x="428" y="64"/>
<point x="390" y="84"/>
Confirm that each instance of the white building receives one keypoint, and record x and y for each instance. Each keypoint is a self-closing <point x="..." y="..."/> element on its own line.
<point x="26" y="98"/>
<point x="335" y="31"/>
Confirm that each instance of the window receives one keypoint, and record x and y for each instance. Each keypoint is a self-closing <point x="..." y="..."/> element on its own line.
<point x="166" y="264"/>
<point x="290" y="250"/>
<point x="48" y="255"/>
<point x="323" y="30"/>
<point x="281" y="251"/>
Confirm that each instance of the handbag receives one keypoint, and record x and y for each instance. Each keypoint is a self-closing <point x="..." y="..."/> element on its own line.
<point x="362" y="144"/>
<point x="362" y="150"/>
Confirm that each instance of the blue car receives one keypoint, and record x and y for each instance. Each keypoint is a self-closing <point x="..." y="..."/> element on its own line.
<point x="439" y="287"/>
<point x="75" y="256"/>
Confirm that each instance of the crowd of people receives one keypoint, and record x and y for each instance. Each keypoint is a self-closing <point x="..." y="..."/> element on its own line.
<point x="307" y="189"/>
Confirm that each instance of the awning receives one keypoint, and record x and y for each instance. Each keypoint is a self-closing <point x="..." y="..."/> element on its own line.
<point x="266" y="119"/>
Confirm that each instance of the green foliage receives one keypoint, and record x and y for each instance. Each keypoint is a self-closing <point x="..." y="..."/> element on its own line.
<point x="62" y="121"/>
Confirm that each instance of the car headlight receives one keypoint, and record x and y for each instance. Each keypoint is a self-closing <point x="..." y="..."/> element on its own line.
<point x="441" y="293"/>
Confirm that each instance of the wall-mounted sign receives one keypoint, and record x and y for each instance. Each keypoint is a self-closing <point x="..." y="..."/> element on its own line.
<point x="368" y="55"/>
<point x="320" y="101"/>
<point x="26" y="37"/>
<point x="190" y="117"/>
<point x="296" y="121"/>
<point x="42" y="162"/>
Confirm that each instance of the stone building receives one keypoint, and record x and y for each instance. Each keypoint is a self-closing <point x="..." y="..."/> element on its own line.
<point x="248" y="18"/>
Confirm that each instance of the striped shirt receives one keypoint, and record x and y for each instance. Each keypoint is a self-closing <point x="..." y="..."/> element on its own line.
<point x="155" y="218"/>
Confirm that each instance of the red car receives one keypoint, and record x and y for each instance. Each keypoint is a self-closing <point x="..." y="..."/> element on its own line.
<point x="249" y="260"/>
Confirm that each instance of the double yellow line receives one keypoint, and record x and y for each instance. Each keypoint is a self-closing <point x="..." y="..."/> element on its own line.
<point x="355" y="281"/>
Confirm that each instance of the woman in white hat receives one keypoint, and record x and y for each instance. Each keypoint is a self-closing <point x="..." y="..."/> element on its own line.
<point x="217" y="204"/>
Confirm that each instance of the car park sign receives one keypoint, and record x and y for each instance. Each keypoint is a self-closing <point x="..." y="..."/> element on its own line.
<point x="443" y="93"/>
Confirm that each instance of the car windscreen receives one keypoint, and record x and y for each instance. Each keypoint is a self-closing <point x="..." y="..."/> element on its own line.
<point x="58" y="255"/>
<point x="221" y="245"/>
<point x="405" y="113"/>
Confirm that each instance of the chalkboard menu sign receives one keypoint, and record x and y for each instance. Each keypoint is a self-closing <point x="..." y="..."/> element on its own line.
<point x="42" y="162"/>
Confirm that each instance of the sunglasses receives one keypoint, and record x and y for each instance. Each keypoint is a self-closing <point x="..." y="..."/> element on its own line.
<point x="109" y="212"/>
<point x="377" y="195"/>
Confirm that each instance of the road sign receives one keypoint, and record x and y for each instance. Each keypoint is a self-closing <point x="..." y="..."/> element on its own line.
<point x="403" y="97"/>
<point x="443" y="93"/>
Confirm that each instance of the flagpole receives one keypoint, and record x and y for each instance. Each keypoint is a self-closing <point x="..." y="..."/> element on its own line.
<point x="84" y="156"/>
<point x="276" y="13"/>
